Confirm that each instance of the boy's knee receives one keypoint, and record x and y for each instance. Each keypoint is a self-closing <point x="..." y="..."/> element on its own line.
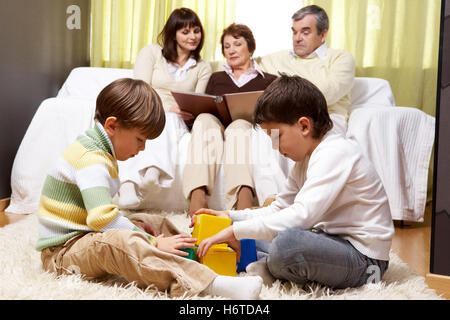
<point x="291" y="238"/>
<point x="288" y="248"/>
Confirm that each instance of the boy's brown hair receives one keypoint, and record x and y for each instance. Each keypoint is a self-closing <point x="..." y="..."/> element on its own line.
<point x="287" y="99"/>
<point x="134" y="103"/>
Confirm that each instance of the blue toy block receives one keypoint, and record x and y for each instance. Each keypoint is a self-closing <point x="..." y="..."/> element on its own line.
<point x="248" y="254"/>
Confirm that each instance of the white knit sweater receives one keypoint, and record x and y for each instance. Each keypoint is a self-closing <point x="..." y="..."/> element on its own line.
<point x="336" y="190"/>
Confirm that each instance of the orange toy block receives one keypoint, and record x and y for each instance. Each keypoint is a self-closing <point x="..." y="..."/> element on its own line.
<point x="207" y="225"/>
<point x="221" y="259"/>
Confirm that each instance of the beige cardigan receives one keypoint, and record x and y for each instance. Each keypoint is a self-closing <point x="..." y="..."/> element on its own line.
<point x="151" y="67"/>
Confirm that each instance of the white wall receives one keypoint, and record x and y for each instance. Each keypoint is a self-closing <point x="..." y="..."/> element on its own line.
<point x="270" y="22"/>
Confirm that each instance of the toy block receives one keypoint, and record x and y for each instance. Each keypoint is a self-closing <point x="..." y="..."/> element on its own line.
<point x="248" y="254"/>
<point x="192" y="253"/>
<point x="221" y="259"/>
<point x="207" y="225"/>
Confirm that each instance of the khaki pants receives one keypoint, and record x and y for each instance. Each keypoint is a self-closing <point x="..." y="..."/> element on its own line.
<point x="211" y="145"/>
<point x="130" y="255"/>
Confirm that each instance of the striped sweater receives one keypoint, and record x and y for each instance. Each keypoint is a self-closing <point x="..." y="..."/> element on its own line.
<point x="77" y="194"/>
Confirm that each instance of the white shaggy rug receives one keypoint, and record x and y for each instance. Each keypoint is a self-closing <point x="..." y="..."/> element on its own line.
<point x="22" y="277"/>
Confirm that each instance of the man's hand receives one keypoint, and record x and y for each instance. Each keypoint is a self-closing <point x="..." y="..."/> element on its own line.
<point x="172" y="244"/>
<point x="224" y="236"/>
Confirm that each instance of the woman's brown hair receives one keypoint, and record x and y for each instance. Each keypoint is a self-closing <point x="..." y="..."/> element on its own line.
<point x="239" y="30"/>
<point x="134" y="103"/>
<point x="178" y="19"/>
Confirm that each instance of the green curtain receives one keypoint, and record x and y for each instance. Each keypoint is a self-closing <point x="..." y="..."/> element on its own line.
<point x="397" y="40"/>
<point x="121" y="28"/>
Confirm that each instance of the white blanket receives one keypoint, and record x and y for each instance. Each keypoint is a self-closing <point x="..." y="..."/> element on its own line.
<point x="397" y="140"/>
<point x="167" y="154"/>
<point x="54" y="127"/>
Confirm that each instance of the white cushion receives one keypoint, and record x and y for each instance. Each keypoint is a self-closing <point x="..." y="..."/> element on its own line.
<point x="87" y="82"/>
<point x="371" y="91"/>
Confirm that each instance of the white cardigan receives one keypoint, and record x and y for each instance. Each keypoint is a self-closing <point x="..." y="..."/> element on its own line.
<point x="335" y="190"/>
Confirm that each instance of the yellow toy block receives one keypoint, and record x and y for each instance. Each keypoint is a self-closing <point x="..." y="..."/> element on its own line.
<point x="221" y="259"/>
<point x="207" y="225"/>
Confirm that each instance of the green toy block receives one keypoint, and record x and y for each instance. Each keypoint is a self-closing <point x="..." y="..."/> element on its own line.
<point x="192" y="253"/>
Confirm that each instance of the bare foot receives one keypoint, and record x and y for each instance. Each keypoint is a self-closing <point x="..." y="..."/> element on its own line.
<point x="198" y="200"/>
<point x="245" y="198"/>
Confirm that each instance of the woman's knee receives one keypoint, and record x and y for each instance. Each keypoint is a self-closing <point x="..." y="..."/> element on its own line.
<point x="238" y="128"/>
<point x="239" y="124"/>
<point x="206" y="121"/>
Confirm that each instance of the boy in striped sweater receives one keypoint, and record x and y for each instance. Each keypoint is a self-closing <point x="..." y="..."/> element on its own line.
<point x="82" y="231"/>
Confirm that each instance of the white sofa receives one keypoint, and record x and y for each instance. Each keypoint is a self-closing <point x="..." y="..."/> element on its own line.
<point x="398" y="140"/>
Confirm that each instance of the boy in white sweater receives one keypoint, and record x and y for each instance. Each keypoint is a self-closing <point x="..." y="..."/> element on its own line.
<point x="331" y="223"/>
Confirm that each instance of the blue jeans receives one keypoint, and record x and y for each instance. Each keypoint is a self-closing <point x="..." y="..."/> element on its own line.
<point x="302" y="255"/>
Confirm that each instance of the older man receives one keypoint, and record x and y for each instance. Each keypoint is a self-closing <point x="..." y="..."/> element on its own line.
<point x="331" y="70"/>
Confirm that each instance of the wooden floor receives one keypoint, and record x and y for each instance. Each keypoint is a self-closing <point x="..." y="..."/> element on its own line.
<point x="411" y="240"/>
<point x="8" y="218"/>
<point x="412" y="243"/>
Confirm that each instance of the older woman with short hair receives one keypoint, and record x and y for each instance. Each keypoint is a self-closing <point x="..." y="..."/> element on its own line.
<point x="241" y="74"/>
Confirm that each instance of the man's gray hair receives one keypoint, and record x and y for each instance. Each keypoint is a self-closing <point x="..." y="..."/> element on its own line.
<point x="322" y="22"/>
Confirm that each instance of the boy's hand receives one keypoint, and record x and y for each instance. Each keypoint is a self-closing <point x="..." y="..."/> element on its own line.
<point x="224" y="236"/>
<point x="223" y="214"/>
<point x="147" y="227"/>
<point x="172" y="244"/>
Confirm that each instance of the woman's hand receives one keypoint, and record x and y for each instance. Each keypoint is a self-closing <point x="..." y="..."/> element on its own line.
<point x="223" y="214"/>
<point x="224" y="236"/>
<point x="172" y="244"/>
<point x="186" y="116"/>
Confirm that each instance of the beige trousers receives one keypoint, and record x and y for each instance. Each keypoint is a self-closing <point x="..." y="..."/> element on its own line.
<point x="130" y="255"/>
<point x="211" y="145"/>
